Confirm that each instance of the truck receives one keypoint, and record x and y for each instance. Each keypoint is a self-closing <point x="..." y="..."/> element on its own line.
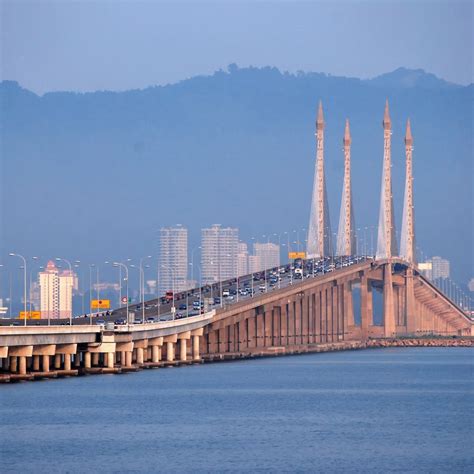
<point x="169" y="296"/>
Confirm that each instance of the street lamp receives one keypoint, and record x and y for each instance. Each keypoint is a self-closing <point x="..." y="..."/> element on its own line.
<point x="122" y="265"/>
<point x="173" y="307"/>
<point x="142" y="286"/>
<point x="24" y="280"/>
<point x="192" y="261"/>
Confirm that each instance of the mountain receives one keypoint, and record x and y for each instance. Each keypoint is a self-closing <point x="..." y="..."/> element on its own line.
<point x="409" y="78"/>
<point x="93" y="176"/>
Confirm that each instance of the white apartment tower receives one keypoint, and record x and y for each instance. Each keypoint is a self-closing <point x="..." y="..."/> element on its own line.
<point x="173" y="263"/>
<point x="219" y="248"/>
<point x="55" y="292"/>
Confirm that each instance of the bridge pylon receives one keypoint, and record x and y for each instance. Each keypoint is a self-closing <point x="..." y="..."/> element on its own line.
<point x="346" y="239"/>
<point x="319" y="229"/>
<point x="386" y="239"/>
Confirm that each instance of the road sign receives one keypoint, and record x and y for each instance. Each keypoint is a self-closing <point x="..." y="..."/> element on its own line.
<point x="100" y="304"/>
<point x="294" y="255"/>
<point x="124" y="300"/>
<point x="30" y="315"/>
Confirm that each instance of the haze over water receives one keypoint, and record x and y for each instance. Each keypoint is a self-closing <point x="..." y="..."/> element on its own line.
<point x="392" y="410"/>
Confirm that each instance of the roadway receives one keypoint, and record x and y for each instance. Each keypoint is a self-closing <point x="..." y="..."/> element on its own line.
<point x="243" y="288"/>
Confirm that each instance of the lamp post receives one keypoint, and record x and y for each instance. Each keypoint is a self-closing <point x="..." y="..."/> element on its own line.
<point x="31" y="279"/>
<point x="192" y="261"/>
<point x="91" y="266"/>
<point x="173" y="308"/>
<point x="24" y="280"/>
<point x="122" y="265"/>
<point x="142" y="286"/>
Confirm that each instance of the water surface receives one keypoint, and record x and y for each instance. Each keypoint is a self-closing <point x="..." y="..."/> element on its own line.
<point x="384" y="410"/>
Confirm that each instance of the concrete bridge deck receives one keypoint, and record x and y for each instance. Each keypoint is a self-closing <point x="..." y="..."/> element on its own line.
<point x="307" y="315"/>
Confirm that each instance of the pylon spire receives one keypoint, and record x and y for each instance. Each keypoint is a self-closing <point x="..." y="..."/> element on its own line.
<point x="346" y="244"/>
<point x="407" y="244"/>
<point x="319" y="229"/>
<point x="386" y="241"/>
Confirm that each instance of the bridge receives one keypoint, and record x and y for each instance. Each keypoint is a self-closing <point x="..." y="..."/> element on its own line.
<point x="310" y="310"/>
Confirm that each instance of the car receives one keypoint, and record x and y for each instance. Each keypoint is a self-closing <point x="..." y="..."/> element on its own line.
<point x="120" y="321"/>
<point x="137" y="321"/>
<point x="182" y="307"/>
<point x="225" y="293"/>
<point x="217" y="300"/>
<point x="262" y="288"/>
<point x="99" y="322"/>
<point x="151" y="320"/>
<point x="230" y="298"/>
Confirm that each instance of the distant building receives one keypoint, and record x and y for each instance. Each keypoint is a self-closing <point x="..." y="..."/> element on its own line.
<point x="173" y="263"/>
<point x="440" y="268"/>
<point x="35" y="295"/>
<point x="268" y="253"/>
<point x="426" y="269"/>
<point x="55" y="292"/>
<point x="255" y="264"/>
<point x="219" y="248"/>
<point x="242" y="259"/>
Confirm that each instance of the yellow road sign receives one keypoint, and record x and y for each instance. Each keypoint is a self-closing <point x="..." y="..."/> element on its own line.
<point x="30" y="315"/>
<point x="100" y="304"/>
<point x="293" y="255"/>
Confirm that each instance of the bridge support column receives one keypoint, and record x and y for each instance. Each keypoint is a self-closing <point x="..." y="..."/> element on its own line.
<point x="46" y="363"/>
<point x="251" y="330"/>
<point x="77" y="359"/>
<point x="410" y="311"/>
<point x="36" y="363"/>
<point x="183" y="349"/>
<point x="110" y="360"/>
<point x="128" y="358"/>
<point x="260" y="330"/>
<point x="169" y="351"/>
<point x="57" y="361"/>
<point x="196" y="355"/>
<point x="348" y="305"/>
<point x="388" y="303"/>
<point x="139" y="355"/>
<point x="67" y="361"/>
<point x="95" y="358"/>
<point x="22" y="365"/>
<point x="268" y="331"/>
<point x="366" y="315"/>
<point x="13" y="364"/>
<point x="170" y="342"/>
<point x="87" y="360"/>
<point x="196" y="334"/>
<point x="155" y="354"/>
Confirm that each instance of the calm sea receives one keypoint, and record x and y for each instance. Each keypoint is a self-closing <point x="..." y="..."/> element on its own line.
<point x="373" y="411"/>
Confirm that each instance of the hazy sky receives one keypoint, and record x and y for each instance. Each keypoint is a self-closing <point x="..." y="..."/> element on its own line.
<point x="89" y="45"/>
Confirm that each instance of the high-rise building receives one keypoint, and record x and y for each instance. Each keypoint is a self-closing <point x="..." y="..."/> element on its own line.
<point x="56" y="292"/>
<point x="219" y="247"/>
<point x="426" y="269"/>
<point x="440" y="268"/>
<point x="268" y="255"/>
<point x="66" y="285"/>
<point x="242" y="259"/>
<point x="173" y="264"/>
